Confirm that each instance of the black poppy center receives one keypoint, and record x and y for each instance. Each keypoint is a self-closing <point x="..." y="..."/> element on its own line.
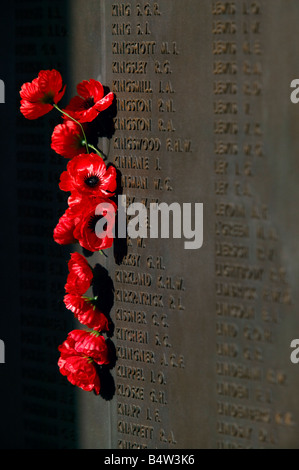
<point x="48" y="97"/>
<point x="89" y="102"/>
<point x="93" y="222"/>
<point x="92" y="181"/>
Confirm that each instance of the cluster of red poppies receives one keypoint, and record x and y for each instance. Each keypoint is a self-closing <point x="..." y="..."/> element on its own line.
<point x="91" y="185"/>
<point x="83" y="348"/>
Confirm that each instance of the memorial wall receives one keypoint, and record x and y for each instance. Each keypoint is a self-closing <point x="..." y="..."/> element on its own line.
<point x="203" y="313"/>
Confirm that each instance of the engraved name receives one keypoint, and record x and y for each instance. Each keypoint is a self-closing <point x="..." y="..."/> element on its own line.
<point x="224" y="8"/>
<point x="134" y="104"/>
<point x="131" y="162"/>
<point x="138" y="355"/>
<point x="142" y="298"/>
<point x="130" y="316"/>
<point x="235" y="430"/>
<point x="239" y="271"/>
<point x="226" y="309"/>
<point x="230" y="229"/>
<point x="239" y="371"/>
<point x="231" y="250"/>
<point x="233" y="390"/>
<point x="129" y="47"/>
<point x="130" y="410"/>
<point x="131" y="335"/>
<point x="139" y="279"/>
<point x="131" y="373"/>
<point x="133" y="124"/>
<point x="133" y="429"/>
<point x="130" y="391"/>
<point x="132" y="86"/>
<point x="236" y="290"/>
<point x="136" y="182"/>
<point x="241" y="411"/>
<point x="134" y="143"/>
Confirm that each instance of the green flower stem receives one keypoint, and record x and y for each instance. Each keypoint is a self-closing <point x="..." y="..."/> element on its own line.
<point x="97" y="151"/>
<point x="95" y="333"/>
<point x="90" y="299"/>
<point x="70" y="117"/>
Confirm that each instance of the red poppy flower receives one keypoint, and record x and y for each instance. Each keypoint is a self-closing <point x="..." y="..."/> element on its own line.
<point x="80" y="275"/>
<point x="77" y="356"/>
<point x="90" y="102"/>
<point x="80" y="372"/>
<point x="86" y="313"/>
<point x="95" y="223"/>
<point x="38" y="96"/>
<point x="74" y="199"/>
<point x="63" y="232"/>
<point x="75" y="302"/>
<point x="92" y="344"/>
<point x="67" y="139"/>
<point x="88" y="174"/>
<point x="90" y="221"/>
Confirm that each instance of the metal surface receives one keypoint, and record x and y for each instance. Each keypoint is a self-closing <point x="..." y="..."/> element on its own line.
<point x="217" y="371"/>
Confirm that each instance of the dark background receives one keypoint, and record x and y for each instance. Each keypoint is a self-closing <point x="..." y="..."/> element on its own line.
<point x="37" y="408"/>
